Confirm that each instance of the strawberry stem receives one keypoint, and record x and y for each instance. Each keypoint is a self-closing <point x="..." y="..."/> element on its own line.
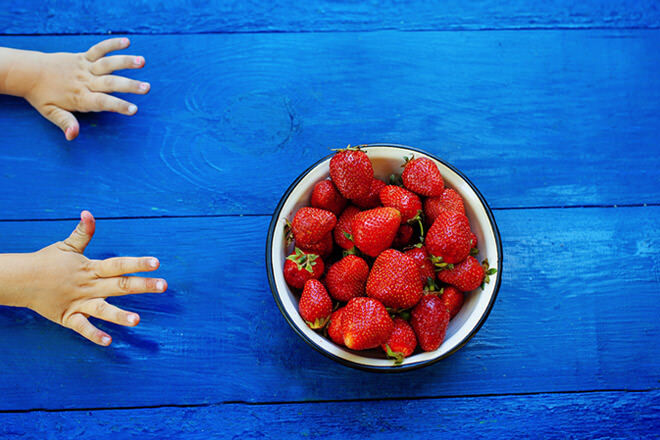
<point x="397" y="356"/>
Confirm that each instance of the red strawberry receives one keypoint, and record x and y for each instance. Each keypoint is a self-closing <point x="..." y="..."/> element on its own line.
<point x="311" y="225"/>
<point x="334" y="328"/>
<point x="351" y="172"/>
<point x="344" y="227"/>
<point x="300" y="267"/>
<point x="375" y="229"/>
<point x="473" y="240"/>
<point x="453" y="299"/>
<point x="322" y="248"/>
<point x="347" y="277"/>
<point x="450" y="200"/>
<point x="407" y="202"/>
<point x="423" y="177"/>
<point x="394" y="280"/>
<point x="449" y="237"/>
<point x="372" y="199"/>
<point x="315" y="305"/>
<point x="325" y="196"/>
<point x="421" y="257"/>
<point x="403" y="236"/>
<point x="429" y="319"/>
<point x="402" y="342"/>
<point x="365" y="323"/>
<point x="465" y="276"/>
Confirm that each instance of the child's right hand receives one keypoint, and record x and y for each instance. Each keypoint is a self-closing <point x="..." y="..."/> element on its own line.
<point x="68" y="82"/>
<point x="63" y="285"/>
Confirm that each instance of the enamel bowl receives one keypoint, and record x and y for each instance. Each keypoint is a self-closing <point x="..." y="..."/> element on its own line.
<point x="387" y="159"/>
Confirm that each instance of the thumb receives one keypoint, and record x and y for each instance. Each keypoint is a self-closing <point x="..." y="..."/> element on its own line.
<point x="80" y="237"/>
<point x="63" y="119"/>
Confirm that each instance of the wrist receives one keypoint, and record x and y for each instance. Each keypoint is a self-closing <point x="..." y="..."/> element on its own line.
<point x="19" y="71"/>
<point x="17" y="272"/>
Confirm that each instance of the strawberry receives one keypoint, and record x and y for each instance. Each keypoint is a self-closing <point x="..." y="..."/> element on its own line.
<point x="407" y="202"/>
<point x="449" y="237"/>
<point x="325" y="196"/>
<point x="450" y="200"/>
<point x="300" y="267"/>
<point x="311" y="225"/>
<point x="322" y="248"/>
<point x="315" y="305"/>
<point x="351" y="172"/>
<point x="473" y="240"/>
<point x="343" y="227"/>
<point x="465" y="276"/>
<point x="453" y="299"/>
<point x="372" y="199"/>
<point x="334" y="328"/>
<point x="347" y="278"/>
<point x="365" y="324"/>
<point x="421" y="257"/>
<point x="403" y="236"/>
<point x="394" y="280"/>
<point x="430" y="319"/>
<point x="423" y="177"/>
<point x="375" y="229"/>
<point x="401" y="343"/>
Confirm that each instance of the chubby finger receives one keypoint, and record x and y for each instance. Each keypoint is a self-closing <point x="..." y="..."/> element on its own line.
<point x="117" y="62"/>
<point x="100" y="102"/>
<point x="114" y="267"/>
<point x="99" y="308"/>
<point x="63" y="119"/>
<point x="79" y="324"/>
<point x="113" y="83"/>
<point x="99" y="50"/>
<point x="80" y="237"/>
<point x="118" y="286"/>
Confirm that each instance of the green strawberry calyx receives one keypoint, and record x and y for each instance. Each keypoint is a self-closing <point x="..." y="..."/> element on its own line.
<point x="396" y="180"/>
<point x="417" y="219"/>
<point x="439" y="263"/>
<point x="396" y="355"/>
<point x="474" y="251"/>
<point x="432" y="288"/>
<point x="288" y="232"/>
<point x="407" y="159"/>
<point x="348" y="148"/>
<point x="303" y="260"/>
<point x="488" y="271"/>
<point x="318" y="323"/>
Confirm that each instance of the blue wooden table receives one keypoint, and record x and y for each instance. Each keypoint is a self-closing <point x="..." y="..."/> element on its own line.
<point x="552" y="110"/>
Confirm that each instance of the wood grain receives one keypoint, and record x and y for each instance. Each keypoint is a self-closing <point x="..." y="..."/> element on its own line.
<point x="179" y="16"/>
<point x="577" y="311"/>
<point x="582" y="415"/>
<point x="533" y="118"/>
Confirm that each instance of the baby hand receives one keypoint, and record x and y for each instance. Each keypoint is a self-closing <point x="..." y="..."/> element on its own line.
<point x="69" y="82"/>
<point x="67" y="288"/>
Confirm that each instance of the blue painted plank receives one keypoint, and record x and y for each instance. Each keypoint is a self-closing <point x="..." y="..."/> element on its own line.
<point x="539" y="118"/>
<point x="577" y="310"/>
<point x="179" y="16"/>
<point x="584" y="415"/>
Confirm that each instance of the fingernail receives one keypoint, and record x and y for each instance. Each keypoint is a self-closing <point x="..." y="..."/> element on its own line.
<point x="132" y="109"/>
<point x="124" y="41"/>
<point x="137" y="61"/>
<point x="144" y="86"/>
<point x="67" y="132"/>
<point x="153" y="262"/>
<point x="132" y="319"/>
<point x="160" y="285"/>
<point x="105" y="340"/>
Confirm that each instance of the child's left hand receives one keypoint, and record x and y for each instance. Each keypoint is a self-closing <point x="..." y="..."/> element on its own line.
<point x="68" y="82"/>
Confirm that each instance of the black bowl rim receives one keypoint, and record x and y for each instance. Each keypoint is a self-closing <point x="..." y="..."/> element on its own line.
<point x="371" y="368"/>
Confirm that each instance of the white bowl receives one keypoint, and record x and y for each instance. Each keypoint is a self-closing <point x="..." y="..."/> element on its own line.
<point x="387" y="159"/>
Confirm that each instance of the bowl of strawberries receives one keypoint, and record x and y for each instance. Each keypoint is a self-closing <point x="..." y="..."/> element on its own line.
<point x="384" y="257"/>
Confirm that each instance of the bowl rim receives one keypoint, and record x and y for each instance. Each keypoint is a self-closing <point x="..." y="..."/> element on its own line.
<point x="371" y="368"/>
